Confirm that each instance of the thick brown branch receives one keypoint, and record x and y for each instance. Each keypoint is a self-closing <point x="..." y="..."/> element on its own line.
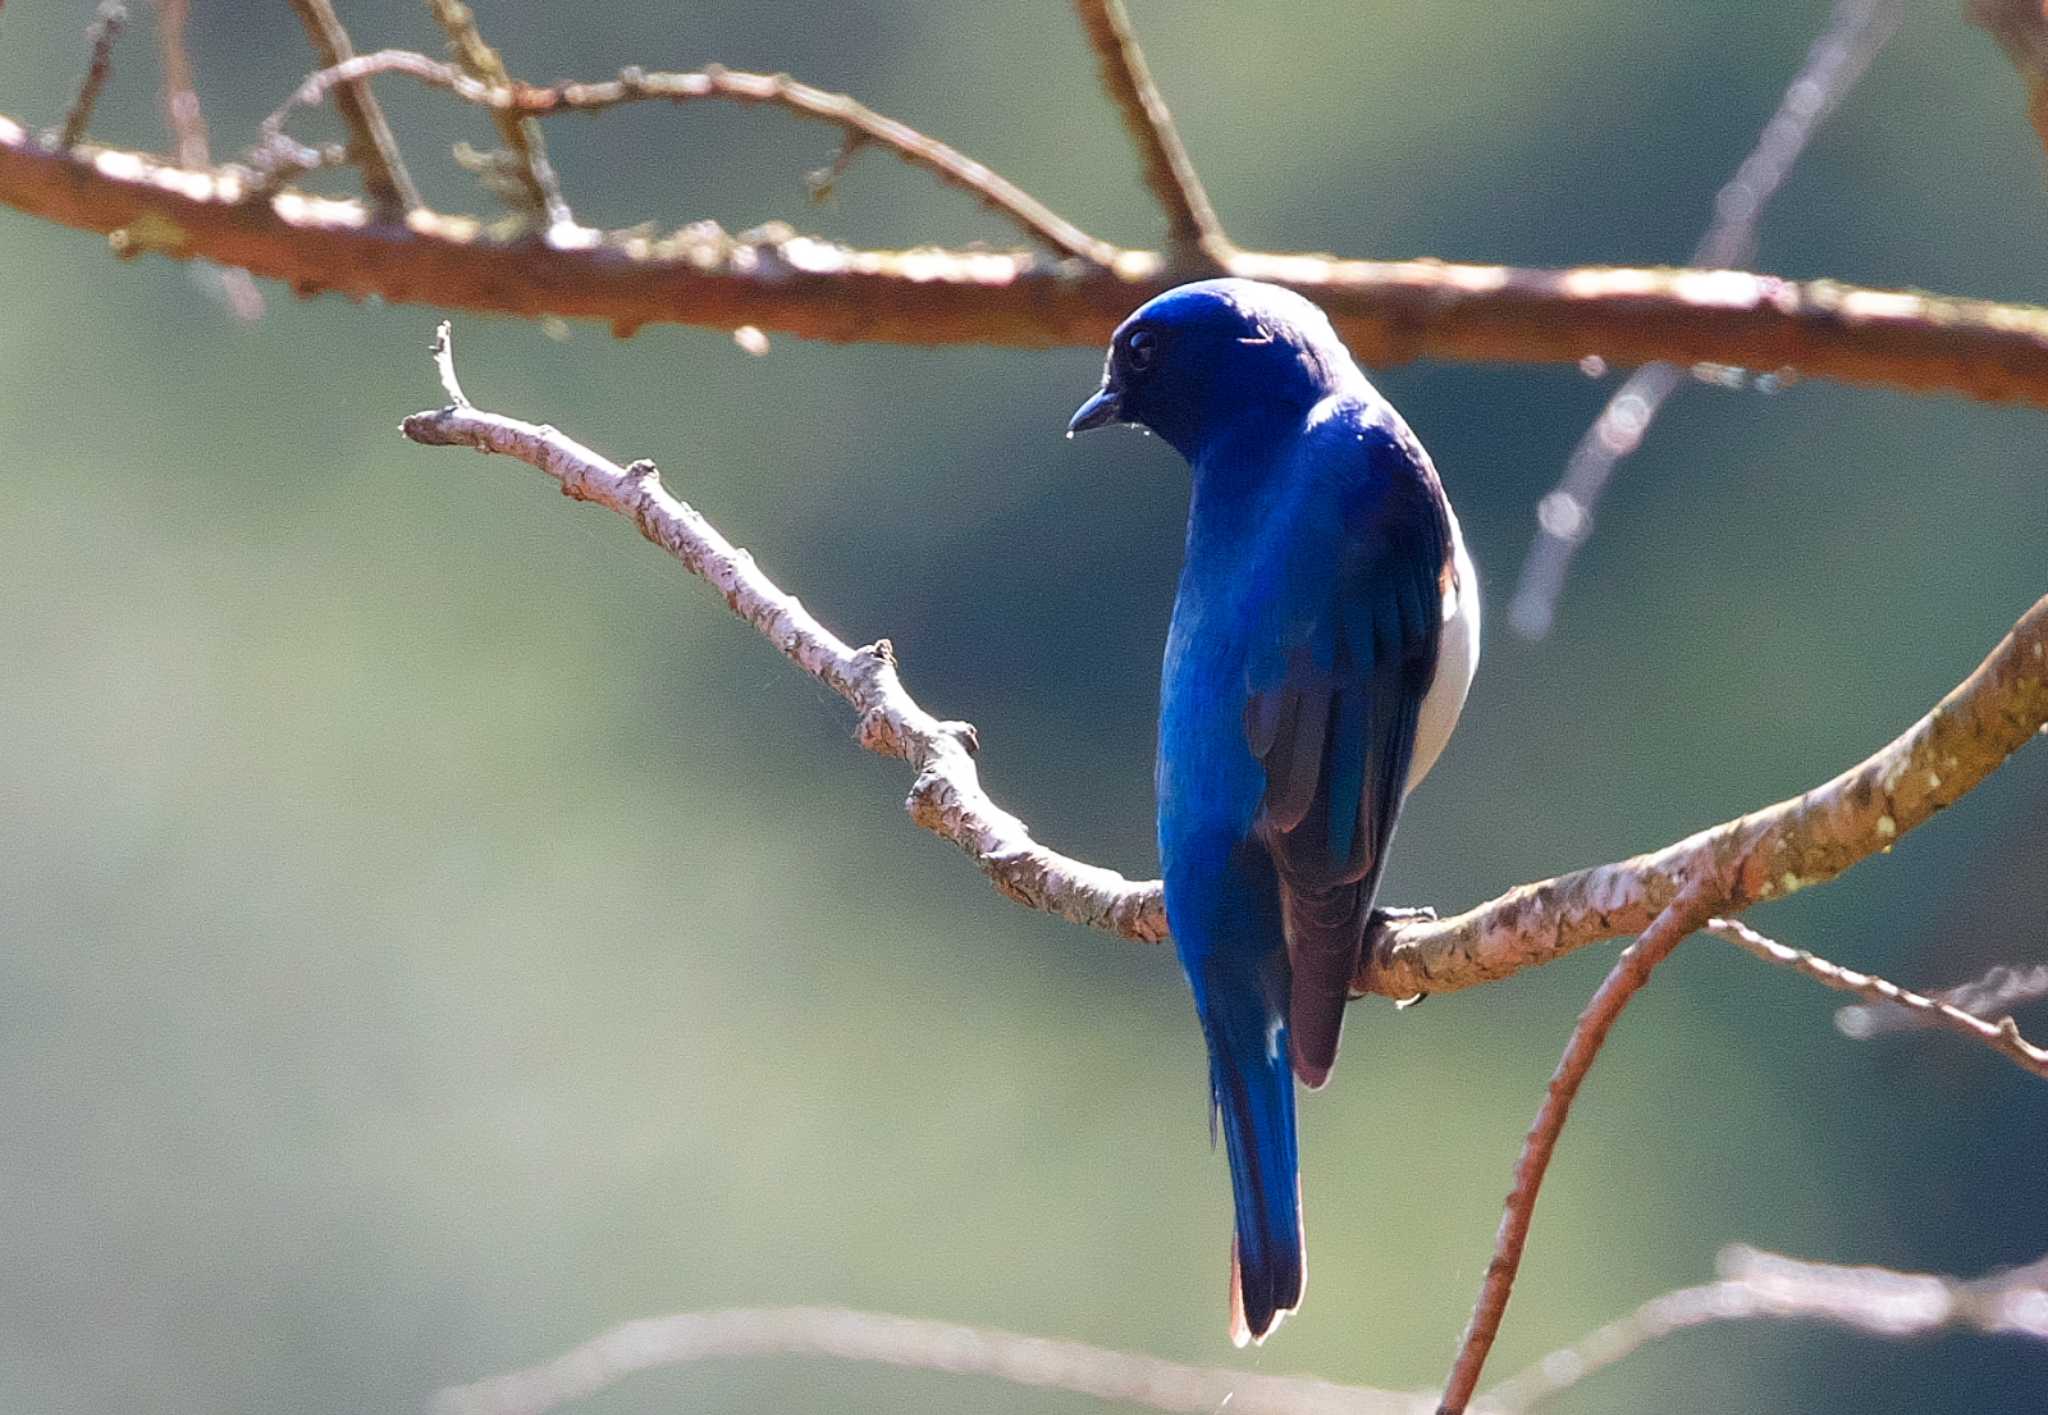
<point x="1118" y="1376"/>
<point x="2002" y="1036"/>
<point x="370" y="142"/>
<point x="1194" y="235"/>
<point x="1389" y="311"/>
<point x="1677" y="919"/>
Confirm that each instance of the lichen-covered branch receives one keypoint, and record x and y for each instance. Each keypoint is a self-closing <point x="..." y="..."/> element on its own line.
<point x="1390" y="312"/>
<point x="2002" y="1036"/>
<point x="534" y="175"/>
<point x="1194" y="235"/>
<point x="1118" y="1376"/>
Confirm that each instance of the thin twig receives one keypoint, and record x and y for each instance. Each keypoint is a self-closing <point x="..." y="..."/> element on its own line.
<point x="186" y="120"/>
<point x="2021" y="29"/>
<point x="107" y="23"/>
<point x="1856" y="31"/>
<point x="371" y="144"/>
<point x="1194" y="235"/>
<point x="1631" y="970"/>
<point x="1119" y="1376"/>
<point x="1994" y="994"/>
<point x="946" y="798"/>
<point x="2002" y="1036"/>
<point x="1758" y="1285"/>
<point x="637" y="86"/>
<point x="520" y="135"/>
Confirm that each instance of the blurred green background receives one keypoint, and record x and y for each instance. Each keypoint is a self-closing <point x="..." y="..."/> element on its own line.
<point x="435" y="930"/>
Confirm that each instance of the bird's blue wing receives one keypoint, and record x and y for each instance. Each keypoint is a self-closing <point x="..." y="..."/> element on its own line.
<point x="1333" y="722"/>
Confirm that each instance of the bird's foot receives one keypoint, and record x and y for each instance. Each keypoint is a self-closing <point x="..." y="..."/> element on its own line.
<point x="1384" y="919"/>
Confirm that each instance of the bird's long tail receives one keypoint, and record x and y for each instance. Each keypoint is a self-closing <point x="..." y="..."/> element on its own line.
<point x="1253" y="1083"/>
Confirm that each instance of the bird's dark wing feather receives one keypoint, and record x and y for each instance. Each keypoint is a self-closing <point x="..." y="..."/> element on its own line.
<point x="1336" y="731"/>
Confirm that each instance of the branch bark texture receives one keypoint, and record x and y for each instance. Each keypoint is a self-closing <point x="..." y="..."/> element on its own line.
<point x="1389" y="311"/>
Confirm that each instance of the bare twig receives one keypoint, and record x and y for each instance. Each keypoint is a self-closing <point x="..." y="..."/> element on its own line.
<point x="105" y="30"/>
<point x="1856" y="31"/>
<point x="371" y="145"/>
<point x="1759" y="1285"/>
<point x="1770" y="852"/>
<point x="1119" y="1376"/>
<point x="2002" y="1036"/>
<point x="520" y="135"/>
<point x="1994" y="994"/>
<point x="636" y="86"/>
<point x="1194" y="235"/>
<point x="186" y="120"/>
<point x="946" y="798"/>
<point x="2021" y="29"/>
<point x="782" y="283"/>
<point x="1678" y="918"/>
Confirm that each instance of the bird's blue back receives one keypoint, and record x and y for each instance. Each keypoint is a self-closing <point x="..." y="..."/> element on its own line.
<point x="1304" y="640"/>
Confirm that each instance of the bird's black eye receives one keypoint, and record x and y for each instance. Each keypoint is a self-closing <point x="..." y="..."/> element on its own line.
<point x="1141" y="349"/>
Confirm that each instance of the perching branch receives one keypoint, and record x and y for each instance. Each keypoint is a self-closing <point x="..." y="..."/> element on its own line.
<point x="1856" y="31"/>
<point x="1389" y="312"/>
<point x="1994" y="994"/>
<point x="1194" y="234"/>
<point x="2002" y="1036"/>
<point x="1773" y="851"/>
<point x="1757" y="1285"/>
<point x="1119" y="1376"/>
<point x="371" y="145"/>
<point x="1630" y="972"/>
<point x="636" y="86"/>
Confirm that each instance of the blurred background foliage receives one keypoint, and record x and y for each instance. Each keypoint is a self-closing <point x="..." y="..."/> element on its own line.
<point x="435" y="930"/>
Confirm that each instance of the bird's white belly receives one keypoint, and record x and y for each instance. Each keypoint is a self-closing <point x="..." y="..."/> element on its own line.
<point x="1457" y="659"/>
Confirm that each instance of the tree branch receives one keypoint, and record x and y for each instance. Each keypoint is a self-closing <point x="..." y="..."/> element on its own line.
<point x="1194" y="235"/>
<point x="1790" y="845"/>
<point x="536" y="179"/>
<point x="1758" y="1285"/>
<point x="1856" y="31"/>
<point x="2002" y="1036"/>
<point x="1119" y="1376"/>
<point x="1389" y="311"/>
<point x="946" y="798"/>
<point x="109" y="19"/>
<point x="1630" y="972"/>
<point x="1766" y="854"/>
<point x="371" y="145"/>
<point x="2021" y="29"/>
<point x="636" y="86"/>
<point x="1994" y="994"/>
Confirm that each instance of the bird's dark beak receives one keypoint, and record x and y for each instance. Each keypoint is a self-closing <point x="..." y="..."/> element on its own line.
<point x="1106" y="407"/>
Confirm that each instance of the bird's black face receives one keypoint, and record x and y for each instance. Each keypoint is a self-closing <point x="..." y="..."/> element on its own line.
<point x="1205" y="359"/>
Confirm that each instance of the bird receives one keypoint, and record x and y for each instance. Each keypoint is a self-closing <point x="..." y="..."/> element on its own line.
<point x="1324" y="636"/>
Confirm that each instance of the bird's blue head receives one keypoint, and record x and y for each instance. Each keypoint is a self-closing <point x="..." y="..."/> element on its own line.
<point x="1214" y="357"/>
